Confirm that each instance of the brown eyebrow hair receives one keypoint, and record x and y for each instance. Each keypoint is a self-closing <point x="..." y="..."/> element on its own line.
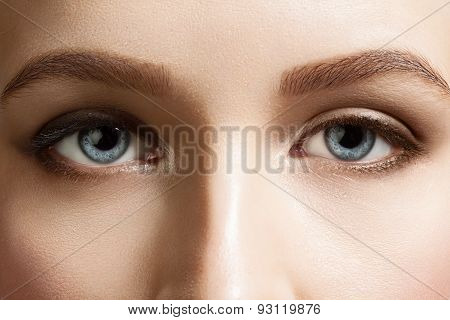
<point x="94" y="66"/>
<point x="344" y="71"/>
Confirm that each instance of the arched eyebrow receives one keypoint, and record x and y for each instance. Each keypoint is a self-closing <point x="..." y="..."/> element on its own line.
<point x="339" y="72"/>
<point x="153" y="79"/>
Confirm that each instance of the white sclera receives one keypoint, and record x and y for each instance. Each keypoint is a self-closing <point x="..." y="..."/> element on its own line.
<point x="316" y="146"/>
<point x="70" y="149"/>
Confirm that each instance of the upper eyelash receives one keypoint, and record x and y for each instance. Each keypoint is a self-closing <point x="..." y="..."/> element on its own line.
<point x="68" y="124"/>
<point x="388" y="132"/>
<point x="48" y="138"/>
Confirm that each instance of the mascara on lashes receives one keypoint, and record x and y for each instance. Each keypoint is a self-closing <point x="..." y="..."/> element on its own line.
<point x="67" y="124"/>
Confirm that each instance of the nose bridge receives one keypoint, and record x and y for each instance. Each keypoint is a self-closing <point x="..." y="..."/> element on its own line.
<point x="241" y="249"/>
<point x="223" y="257"/>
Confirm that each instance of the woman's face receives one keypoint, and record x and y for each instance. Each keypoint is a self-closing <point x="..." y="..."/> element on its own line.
<point x="349" y="97"/>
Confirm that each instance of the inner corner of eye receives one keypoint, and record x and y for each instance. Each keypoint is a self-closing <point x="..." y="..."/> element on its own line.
<point x="297" y="150"/>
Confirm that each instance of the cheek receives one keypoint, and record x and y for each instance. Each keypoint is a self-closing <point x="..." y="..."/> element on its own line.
<point x="66" y="252"/>
<point x="28" y="243"/>
<point x="403" y="218"/>
<point x="379" y="237"/>
<point x="58" y="235"/>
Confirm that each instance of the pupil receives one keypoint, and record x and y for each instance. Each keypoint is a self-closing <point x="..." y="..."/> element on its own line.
<point x="107" y="138"/>
<point x="352" y="137"/>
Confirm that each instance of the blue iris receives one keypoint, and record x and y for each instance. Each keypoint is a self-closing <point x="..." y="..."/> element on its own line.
<point x="349" y="142"/>
<point x="104" y="144"/>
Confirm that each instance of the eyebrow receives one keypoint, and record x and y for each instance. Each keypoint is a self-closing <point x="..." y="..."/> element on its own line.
<point x="344" y="71"/>
<point x="109" y="69"/>
<point x="154" y="78"/>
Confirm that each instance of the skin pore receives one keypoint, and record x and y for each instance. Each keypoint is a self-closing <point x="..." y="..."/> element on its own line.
<point x="336" y="230"/>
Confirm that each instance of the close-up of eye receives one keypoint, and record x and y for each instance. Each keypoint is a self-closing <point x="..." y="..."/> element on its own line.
<point x="99" y="146"/>
<point x="348" y="143"/>
<point x="357" y="137"/>
<point x="95" y="139"/>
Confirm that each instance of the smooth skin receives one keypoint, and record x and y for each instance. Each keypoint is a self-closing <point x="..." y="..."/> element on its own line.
<point x="321" y="234"/>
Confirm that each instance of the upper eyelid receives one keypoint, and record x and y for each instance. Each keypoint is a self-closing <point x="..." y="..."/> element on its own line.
<point x="353" y="120"/>
<point x="393" y="130"/>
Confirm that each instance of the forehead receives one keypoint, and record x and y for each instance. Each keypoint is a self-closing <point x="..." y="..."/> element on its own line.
<point x="224" y="43"/>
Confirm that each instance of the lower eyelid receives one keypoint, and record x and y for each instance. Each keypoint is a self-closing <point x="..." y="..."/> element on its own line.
<point x="379" y="167"/>
<point x="61" y="166"/>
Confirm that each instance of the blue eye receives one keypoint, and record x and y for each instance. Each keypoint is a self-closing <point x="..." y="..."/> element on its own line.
<point x="349" y="142"/>
<point x="100" y="146"/>
<point x="358" y="136"/>
<point x="104" y="144"/>
<point x="99" y="139"/>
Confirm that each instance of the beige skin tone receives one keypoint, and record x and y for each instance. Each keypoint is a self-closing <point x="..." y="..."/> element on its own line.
<point x="372" y="235"/>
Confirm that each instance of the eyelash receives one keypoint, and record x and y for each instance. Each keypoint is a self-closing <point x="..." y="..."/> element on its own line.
<point x="42" y="144"/>
<point x="409" y="149"/>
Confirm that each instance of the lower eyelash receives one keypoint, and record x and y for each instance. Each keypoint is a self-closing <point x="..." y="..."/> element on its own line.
<point x="385" y="166"/>
<point x="393" y="162"/>
<point x="57" y="164"/>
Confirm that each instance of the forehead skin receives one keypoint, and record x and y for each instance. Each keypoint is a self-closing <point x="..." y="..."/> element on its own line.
<point x="228" y="52"/>
<point x="230" y="56"/>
